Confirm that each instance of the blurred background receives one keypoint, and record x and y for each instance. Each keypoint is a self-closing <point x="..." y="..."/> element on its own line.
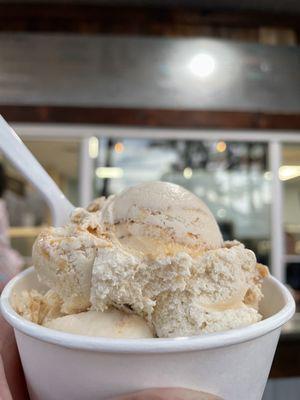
<point x="206" y="94"/>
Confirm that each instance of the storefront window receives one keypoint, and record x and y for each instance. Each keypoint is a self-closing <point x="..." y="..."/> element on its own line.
<point x="27" y="210"/>
<point x="289" y="173"/>
<point x="231" y="177"/>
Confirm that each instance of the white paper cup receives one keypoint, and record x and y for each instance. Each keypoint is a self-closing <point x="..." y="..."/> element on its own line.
<point x="233" y="365"/>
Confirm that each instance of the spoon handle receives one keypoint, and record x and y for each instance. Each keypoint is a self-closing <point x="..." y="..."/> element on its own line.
<point x="16" y="151"/>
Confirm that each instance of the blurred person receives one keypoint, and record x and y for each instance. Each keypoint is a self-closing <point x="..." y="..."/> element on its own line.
<point x="26" y="208"/>
<point x="10" y="260"/>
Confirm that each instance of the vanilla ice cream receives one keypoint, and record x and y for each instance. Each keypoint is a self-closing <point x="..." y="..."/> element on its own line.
<point x="110" y="323"/>
<point x="222" y="292"/>
<point x="64" y="257"/>
<point x="37" y="307"/>
<point x="156" y="251"/>
<point x="163" y="211"/>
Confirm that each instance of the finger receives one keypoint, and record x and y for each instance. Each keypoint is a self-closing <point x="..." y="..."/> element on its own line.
<point x="11" y="362"/>
<point x="168" y="394"/>
<point x="4" y="389"/>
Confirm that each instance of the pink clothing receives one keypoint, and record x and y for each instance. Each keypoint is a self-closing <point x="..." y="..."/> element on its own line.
<point x="10" y="260"/>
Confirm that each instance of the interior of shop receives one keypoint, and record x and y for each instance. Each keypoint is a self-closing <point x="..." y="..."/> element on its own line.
<point x="204" y="94"/>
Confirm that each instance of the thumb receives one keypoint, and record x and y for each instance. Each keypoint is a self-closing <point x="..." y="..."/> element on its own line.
<point x="168" y="394"/>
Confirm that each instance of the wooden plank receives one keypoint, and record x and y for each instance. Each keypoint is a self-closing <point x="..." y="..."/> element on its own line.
<point x="112" y="71"/>
<point x="151" y="117"/>
<point x="147" y="20"/>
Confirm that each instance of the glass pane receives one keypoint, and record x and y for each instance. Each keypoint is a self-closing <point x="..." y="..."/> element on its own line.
<point x="289" y="173"/>
<point x="26" y="209"/>
<point x="232" y="178"/>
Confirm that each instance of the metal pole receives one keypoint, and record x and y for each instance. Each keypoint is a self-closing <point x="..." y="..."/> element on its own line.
<point x="277" y="229"/>
<point x="85" y="174"/>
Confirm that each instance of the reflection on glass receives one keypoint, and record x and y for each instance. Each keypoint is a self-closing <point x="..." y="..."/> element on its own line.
<point x="230" y="177"/>
<point x="27" y="210"/>
<point x="93" y="147"/>
<point x="289" y="173"/>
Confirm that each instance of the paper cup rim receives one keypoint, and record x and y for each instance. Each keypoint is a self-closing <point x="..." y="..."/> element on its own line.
<point x="152" y="345"/>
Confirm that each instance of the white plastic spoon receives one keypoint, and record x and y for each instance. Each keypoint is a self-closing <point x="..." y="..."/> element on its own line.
<point x="16" y="151"/>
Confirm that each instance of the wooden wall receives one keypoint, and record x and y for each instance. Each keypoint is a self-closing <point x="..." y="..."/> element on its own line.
<point x="262" y="27"/>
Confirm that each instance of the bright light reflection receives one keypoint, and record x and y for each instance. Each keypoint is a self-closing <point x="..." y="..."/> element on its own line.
<point x="93" y="147"/>
<point x="287" y="172"/>
<point x="187" y="173"/>
<point x="221" y="147"/>
<point x="109" y="172"/>
<point x="202" y="65"/>
<point x="119" y="147"/>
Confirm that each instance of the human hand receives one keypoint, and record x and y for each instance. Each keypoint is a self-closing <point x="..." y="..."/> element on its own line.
<point x="168" y="394"/>
<point x="13" y="386"/>
<point x="12" y="381"/>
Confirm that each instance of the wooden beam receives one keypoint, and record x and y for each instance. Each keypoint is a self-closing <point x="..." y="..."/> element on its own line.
<point x="81" y="18"/>
<point x="151" y="117"/>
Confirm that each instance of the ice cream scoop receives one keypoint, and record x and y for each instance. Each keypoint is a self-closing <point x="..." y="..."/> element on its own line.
<point x="111" y="324"/>
<point x="163" y="211"/>
<point x="153" y="219"/>
<point x="64" y="258"/>
<point x="64" y="263"/>
<point x="154" y="249"/>
<point x="181" y="295"/>
<point x="168" y="261"/>
<point x="222" y="292"/>
<point x="156" y="227"/>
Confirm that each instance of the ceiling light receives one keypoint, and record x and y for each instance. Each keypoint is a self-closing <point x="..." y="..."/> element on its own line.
<point x="119" y="147"/>
<point x="109" y="172"/>
<point x="187" y="173"/>
<point x="93" y="147"/>
<point x="221" y="147"/>
<point x="202" y="65"/>
<point x="287" y="172"/>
